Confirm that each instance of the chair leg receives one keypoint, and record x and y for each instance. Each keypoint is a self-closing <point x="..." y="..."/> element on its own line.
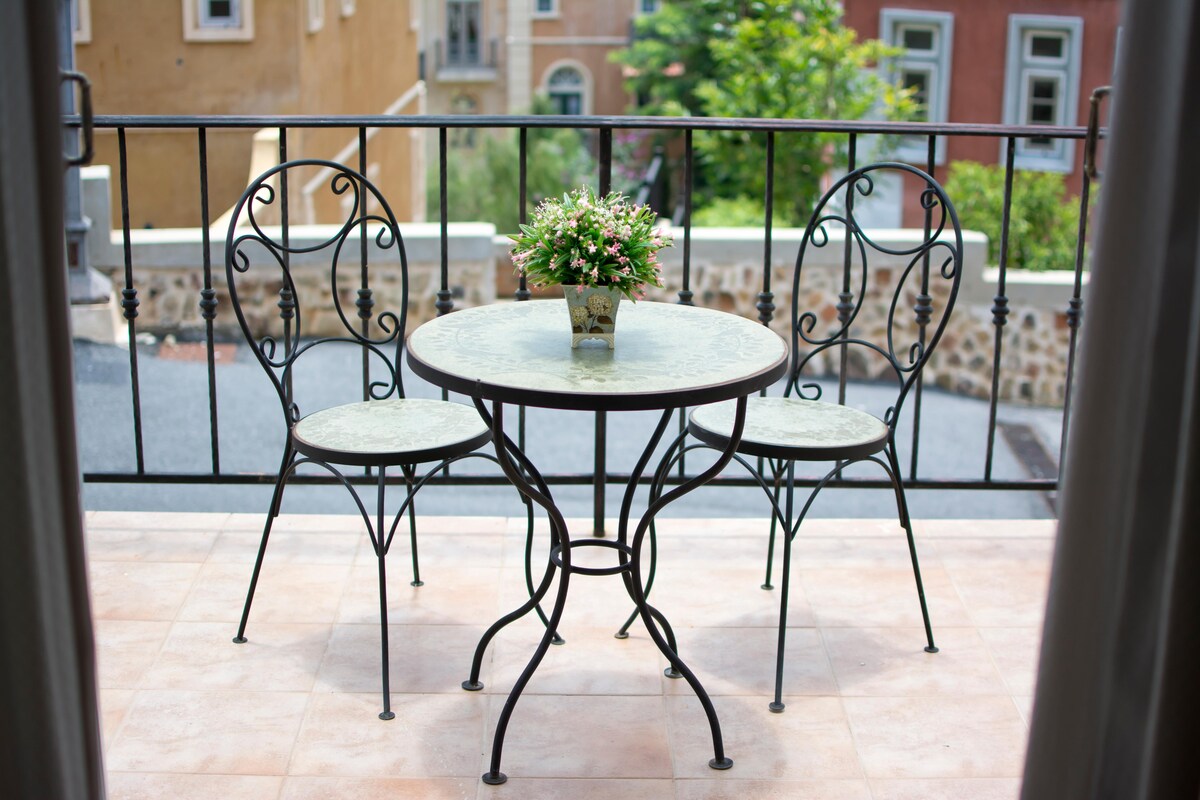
<point x="905" y="522"/>
<point x="777" y="705"/>
<point x="272" y="512"/>
<point x="409" y="479"/>
<point x="381" y="554"/>
<point x="778" y="470"/>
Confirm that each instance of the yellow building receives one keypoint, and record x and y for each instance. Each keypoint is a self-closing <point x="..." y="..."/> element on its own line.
<point x="254" y="57"/>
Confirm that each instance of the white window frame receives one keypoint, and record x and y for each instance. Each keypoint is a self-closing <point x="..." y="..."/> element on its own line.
<point x="197" y="27"/>
<point x="1022" y="67"/>
<point x="314" y="15"/>
<point x="935" y="63"/>
<point x="553" y="13"/>
<point x="348" y="8"/>
<point x="586" y="89"/>
<point x="81" y="21"/>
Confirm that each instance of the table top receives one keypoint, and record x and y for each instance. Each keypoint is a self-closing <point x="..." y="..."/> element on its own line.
<point x="666" y="356"/>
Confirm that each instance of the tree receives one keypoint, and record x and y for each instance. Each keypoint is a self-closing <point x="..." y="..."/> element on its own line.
<point x="787" y="59"/>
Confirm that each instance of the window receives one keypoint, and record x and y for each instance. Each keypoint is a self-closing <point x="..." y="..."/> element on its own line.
<point x="647" y="6"/>
<point x="81" y="21"/>
<point x="567" y="89"/>
<point x="220" y="14"/>
<point x="348" y="8"/>
<point x="545" y="8"/>
<point x="217" y="20"/>
<point x="462" y="33"/>
<point x="1041" y="85"/>
<point x="316" y="15"/>
<point x="924" y="67"/>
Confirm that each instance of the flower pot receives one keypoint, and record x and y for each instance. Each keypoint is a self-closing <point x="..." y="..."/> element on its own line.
<point x="593" y="311"/>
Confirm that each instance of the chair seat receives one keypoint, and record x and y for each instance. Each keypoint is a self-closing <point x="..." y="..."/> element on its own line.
<point x="390" y="432"/>
<point x="793" y="429"/>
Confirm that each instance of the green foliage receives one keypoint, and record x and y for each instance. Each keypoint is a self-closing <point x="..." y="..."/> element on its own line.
<point x="735" y="212"/>
<point x="483" y="182"/>
<point x="584" y="240"/>
<point x="780" y="59"/>
<point x="1043" y="220"/>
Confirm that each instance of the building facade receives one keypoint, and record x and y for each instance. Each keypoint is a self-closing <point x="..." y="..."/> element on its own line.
<point x="259" y="57"/>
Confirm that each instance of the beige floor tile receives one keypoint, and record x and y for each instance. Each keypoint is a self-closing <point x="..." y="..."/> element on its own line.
<point x="771" y="790"/>
<point x="138" y="544"/>
<point x="236" y="733"/>
<point x="287" y="547"/>
<point x="114" y="705"/>
<point x="947" y="789"/>
<point x="434" y="525"/>
<point x="741" y="661"/>
<point x="125" y="649"/>
<point x="857" y="553"/>
<point x="593" y="601"/>
<point x="937" y="737"/>
<point x="423" y="659"/>
<point x="559" y="736"/>
<point x="727" y="598"/>
<point x="468" y="596"/>
<point x="591" y="662"/>
<point x="578" y="789"/>
<point x="158" y="520"/>
<point x="139" y="590"/>
<point x="432" y="736"/>
<point x="155" y="786"/>
<point x="220" y="593"/>
<point x="278" y="657"/>
<point x="1015" y="651"/>
<point x="809" y="740"/>
<point x="313" y="523"/>
<point x="987" y="528"/>
<point x="1004" y="595"/>
<point x="441" y="555"/>
<point x="295" y="788"/>
<point x="891" y="662"/>
<point x="995" y="552"/>
<point x="880" y="597"/>
<point x="1024" y="704"/>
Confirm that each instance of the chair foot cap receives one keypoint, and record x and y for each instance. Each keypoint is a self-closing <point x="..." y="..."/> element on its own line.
<point x="239" y="640"/>
<point x="558" y="640"/>
<point x="766" y="587"/>
<point x="931" y="649"/>
<point x="472" y="686"/>
<point x="621" y="635"/>
<point x="720" y="763"/>
<point x="776" y="708"/>
<point x="386" y="715"/>
<point x="416" y="583"/>
<point x="494" y="778"/>
<point x="671" y="672"/>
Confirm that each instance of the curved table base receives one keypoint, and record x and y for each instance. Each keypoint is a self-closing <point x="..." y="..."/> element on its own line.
<point x="529" y="482"/>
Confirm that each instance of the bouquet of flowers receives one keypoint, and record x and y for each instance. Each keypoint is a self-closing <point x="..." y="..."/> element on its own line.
<point x="585" y="240"/>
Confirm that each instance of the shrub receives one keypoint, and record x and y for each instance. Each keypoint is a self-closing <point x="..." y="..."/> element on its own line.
<point x="1043" y="220"/>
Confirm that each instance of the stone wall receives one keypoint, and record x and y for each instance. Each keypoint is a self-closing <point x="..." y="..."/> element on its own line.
<point x="726" y="273"/>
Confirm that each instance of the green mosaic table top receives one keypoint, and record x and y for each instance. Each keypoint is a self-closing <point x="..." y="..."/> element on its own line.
<point x="666" y="355"/>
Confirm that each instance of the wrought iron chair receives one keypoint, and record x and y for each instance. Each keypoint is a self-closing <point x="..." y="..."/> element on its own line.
<point x="384" y="429"/>
<point x="799" y="426"/>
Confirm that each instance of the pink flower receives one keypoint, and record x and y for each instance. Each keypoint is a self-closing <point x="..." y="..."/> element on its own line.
<point x="579" y="289"/>
<point x="613" y="249"/>
<point x="591" y="247"/>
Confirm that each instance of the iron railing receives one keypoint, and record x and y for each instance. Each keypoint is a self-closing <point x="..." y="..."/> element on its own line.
<point x="602" y="128"/>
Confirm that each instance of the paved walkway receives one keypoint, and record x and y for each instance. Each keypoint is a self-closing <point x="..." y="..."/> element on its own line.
<point x="176" y="437"/>
<point x="292" y="713"/>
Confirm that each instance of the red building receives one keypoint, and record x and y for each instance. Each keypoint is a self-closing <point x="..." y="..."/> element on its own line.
<point x="1014" y="62"/>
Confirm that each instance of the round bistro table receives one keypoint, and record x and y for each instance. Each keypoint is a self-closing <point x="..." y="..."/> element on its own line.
<point x="666" y="357"/>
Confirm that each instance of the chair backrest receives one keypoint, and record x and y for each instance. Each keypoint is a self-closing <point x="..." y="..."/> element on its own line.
<point x="336" y="270"/>
<point x="895" y="326"/>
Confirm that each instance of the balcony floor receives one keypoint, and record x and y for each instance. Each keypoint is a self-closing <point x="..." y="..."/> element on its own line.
<point x="292" y="713"/>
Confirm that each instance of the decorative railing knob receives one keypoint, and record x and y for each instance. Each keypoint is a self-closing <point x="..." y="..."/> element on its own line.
<point x="286" y="304"/>
<point x="923" y="309"/>
<point x="685" y="297"/>
<point x="1074" y="312"/>
<point x="845" y="306"/>
<point x="444" y="304"/>
<point x="766" y="308"/>
<point x="208" y="304"/>
<point x="365" y="303"/>
<point x="129" y="303"/>
<point x="1000" y="311"/>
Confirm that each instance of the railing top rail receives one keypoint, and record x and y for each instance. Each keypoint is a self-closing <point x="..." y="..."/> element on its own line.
<point x="136" y="121"/>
